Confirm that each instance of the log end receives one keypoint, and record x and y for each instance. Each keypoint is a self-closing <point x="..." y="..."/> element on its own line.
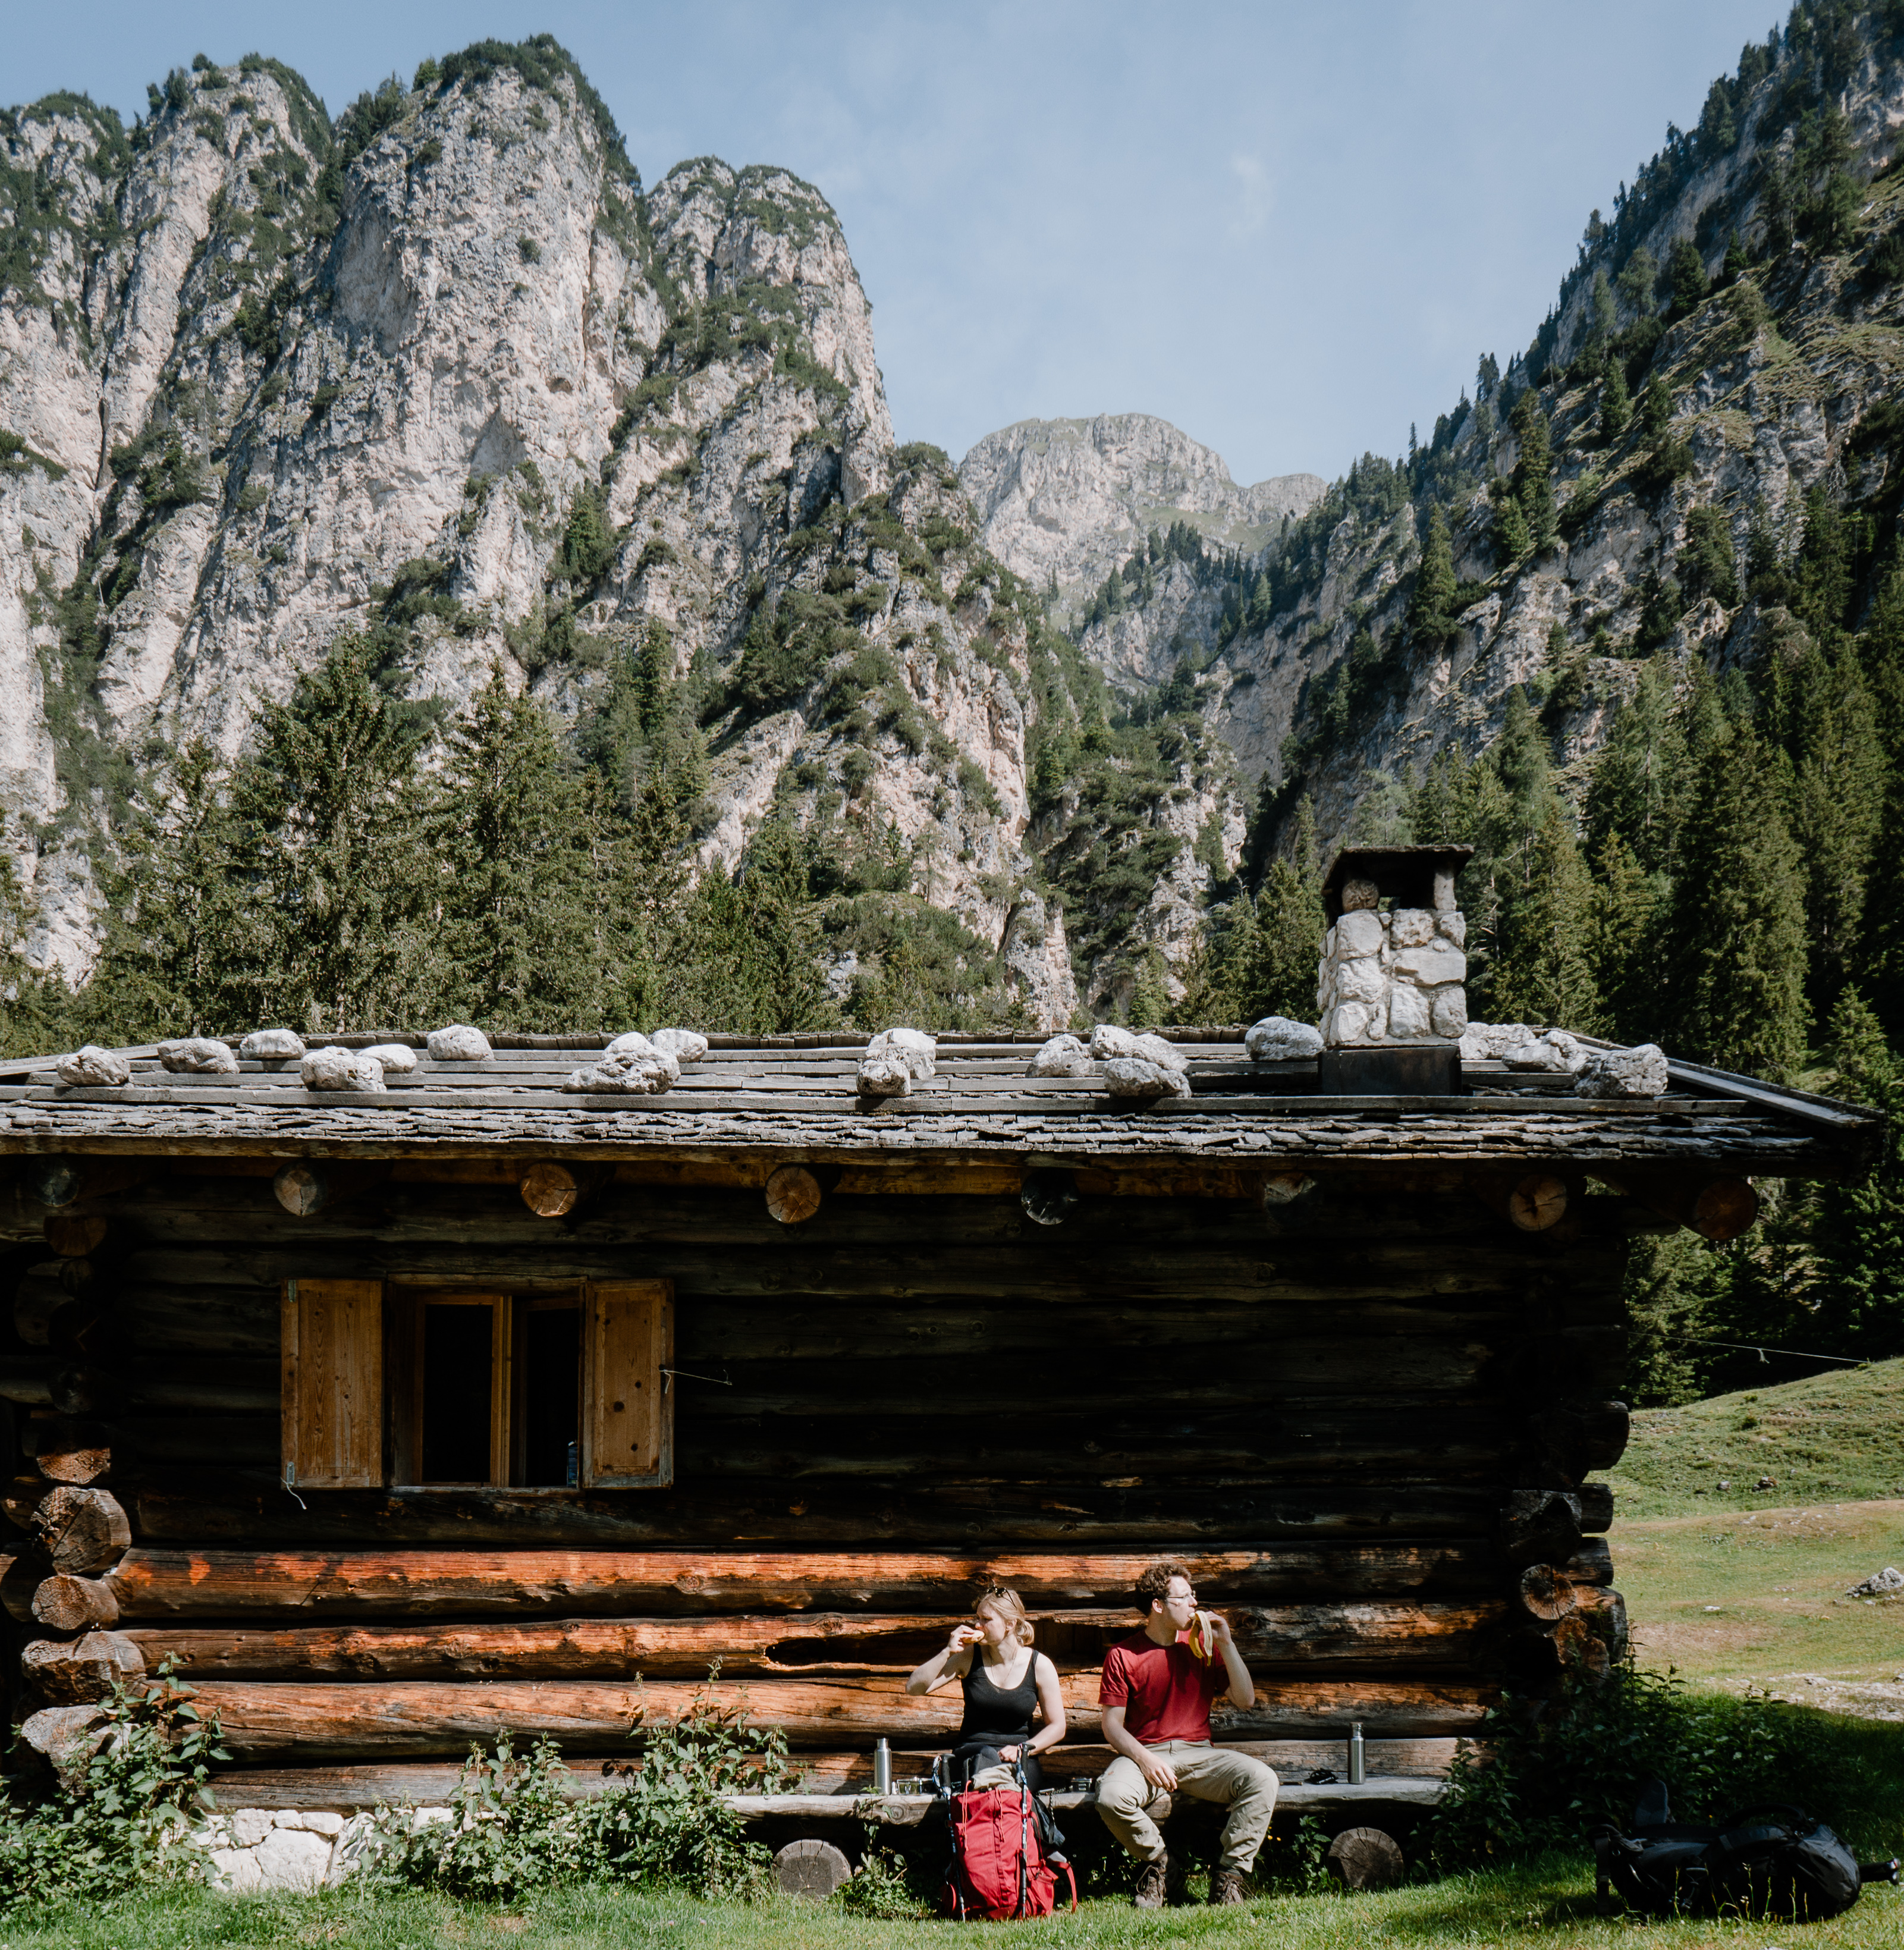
<point x="811" y="1868"/>
<point x="549" y="1191"/>
<point x="793" y="1194"/>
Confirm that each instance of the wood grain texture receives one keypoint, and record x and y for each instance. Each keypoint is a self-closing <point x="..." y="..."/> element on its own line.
<point x="260" y="1719"/>
<point x="1428" y="1634"/>
<point x="333" y="1382"/>
<point x="151" y="1583"/>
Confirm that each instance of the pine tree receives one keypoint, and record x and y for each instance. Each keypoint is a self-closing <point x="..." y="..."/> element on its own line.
<point x="1839" y="786"/>
<point x="1736" y="959"/>
<point x="179" y="930"/>
<point x="1432" y="608"/>
<point x="1687" y="270"/>
<point x="1616" y="403"/>
<point x="326" y="858"/>
<point x="1543" y="971"/>
<point x="520" y="896"/>
<point x="1635" y="777"/>
<point x="1619" y="944"/>
<point x="1857" y="1295"/>
<point x="1280" y="978"/>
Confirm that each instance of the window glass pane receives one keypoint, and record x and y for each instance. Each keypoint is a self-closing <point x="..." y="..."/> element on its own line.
<point x="457" y="1351"/>
<point x="552" y="1402"/>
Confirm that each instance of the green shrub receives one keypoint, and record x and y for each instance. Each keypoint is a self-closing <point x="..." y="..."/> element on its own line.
<point x="1551" y="1770"/>
<point x="512" y="1826"/>
<point x="127" y="1817"/>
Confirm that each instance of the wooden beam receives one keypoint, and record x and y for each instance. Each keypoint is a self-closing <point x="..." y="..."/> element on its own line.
<point x="840" y="1774"/>
<point x="339" y="1720"/>
<point x="1427" y="1633"/>
<point x="793" y="1194"/>
<point x="63" y="1603"/>
<point x="84" y="1532"/>
<point x="73" y="1238"/>
<point x="150" y="1584"/>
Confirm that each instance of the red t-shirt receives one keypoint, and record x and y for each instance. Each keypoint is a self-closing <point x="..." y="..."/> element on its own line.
<point x="1165" y="1690"/>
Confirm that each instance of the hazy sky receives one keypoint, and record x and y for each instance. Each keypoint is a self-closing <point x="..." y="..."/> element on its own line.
<point x="1290" y="228"/>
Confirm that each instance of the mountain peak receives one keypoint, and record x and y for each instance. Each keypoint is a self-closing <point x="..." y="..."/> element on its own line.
<point x="1068" y="500"/>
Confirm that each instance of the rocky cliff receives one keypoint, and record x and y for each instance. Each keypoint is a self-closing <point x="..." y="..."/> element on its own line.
<point x="1063" y="503"/>
<point x="446" y="377"/>
<point x="1747" y="291"/>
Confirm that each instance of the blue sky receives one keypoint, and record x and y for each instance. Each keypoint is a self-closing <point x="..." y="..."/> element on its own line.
<point x="1290" y="229"/>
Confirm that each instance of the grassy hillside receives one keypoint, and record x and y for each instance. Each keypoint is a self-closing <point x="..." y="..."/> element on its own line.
<point x="1740" y="1587"/>
<point x="1838" y="1437"/>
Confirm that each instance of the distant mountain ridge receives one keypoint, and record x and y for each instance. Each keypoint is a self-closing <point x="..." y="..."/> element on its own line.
<point x="1066" y="501"/>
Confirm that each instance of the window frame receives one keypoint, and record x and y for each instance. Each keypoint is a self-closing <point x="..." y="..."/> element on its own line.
<point x="361" y="1348"/>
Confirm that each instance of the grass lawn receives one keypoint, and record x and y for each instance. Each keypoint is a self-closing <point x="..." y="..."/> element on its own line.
<point x="1838" y="1437"/>
<point x="1738" y="1587"/>
<point x="1550" y="1901"/>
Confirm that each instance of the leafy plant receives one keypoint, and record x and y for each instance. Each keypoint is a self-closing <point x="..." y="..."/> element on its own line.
<point x="671" y="1823"/>
<point x="513" y="1826"/>
<point x="510" y="1828"/>
<point x="126" y="1815"/>
<point x="1552" y="1770"/>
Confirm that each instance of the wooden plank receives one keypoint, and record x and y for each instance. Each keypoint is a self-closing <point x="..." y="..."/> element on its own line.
<point x="224" y="1506"/>
<point x="333" y="1378"/>
<point x="258" y="1719"/>
<point x="1428" y="1634"/>
<point x="836" y="1781"/>
<point x="627" y="1399"/>
<point x="150" y="1584"/>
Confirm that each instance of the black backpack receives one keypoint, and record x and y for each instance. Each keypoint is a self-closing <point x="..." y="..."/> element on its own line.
<point x="1765" y="1861"/>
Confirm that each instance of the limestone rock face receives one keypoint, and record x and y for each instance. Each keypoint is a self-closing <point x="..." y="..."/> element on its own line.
<point x="1070" y="499"/>
<point x="258" y="418"/>
<point x="684" y="1045"/>
<point x="395" y="1059"/>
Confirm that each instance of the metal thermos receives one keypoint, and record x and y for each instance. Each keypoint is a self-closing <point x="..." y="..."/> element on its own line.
<point x="1357" y="1763"/>
<point x="881" y="1766"/>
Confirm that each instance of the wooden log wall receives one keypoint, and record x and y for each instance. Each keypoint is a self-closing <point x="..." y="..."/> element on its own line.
<point x="1366" y="1416"/>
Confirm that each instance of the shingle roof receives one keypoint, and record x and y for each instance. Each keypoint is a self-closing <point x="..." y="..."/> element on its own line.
<point x="795" y="1093"/>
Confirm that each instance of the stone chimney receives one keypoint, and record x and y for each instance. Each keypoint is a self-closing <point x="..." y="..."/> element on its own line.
<point x="1389" y="987"/>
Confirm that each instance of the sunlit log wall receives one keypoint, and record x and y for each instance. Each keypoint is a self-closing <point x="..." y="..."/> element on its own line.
<point x="1365" y="1417"/>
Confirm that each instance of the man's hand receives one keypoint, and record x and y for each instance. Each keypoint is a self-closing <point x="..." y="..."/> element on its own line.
<point x="1158" y="1771"/>
<point x="1220" y="1636"/>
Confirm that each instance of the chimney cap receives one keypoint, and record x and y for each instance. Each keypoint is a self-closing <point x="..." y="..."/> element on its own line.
<point x="1412" y="876"/>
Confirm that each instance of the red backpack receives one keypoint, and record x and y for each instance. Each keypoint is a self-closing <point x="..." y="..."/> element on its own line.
<point x="1001" y="1866"/>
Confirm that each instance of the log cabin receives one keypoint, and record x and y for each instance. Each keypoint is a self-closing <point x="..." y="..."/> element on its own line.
<point x="396" y="1416"/>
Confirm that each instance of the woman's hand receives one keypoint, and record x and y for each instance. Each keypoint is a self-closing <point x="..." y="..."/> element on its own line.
<point x="963" y="1636"/>
<point x="1009" y="1754"/>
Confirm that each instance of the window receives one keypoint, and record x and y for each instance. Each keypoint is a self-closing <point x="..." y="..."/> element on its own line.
<point x="441" y="1388"/>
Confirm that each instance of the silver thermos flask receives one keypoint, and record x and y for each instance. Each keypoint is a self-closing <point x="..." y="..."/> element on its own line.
<point x="882" y="1767"/>
<point x="1358" y="1762"/>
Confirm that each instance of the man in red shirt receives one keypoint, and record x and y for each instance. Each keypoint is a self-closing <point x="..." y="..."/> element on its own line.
<point x="1155" y="1694"/>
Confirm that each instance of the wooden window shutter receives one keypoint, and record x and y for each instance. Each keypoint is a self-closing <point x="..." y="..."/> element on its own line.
<point x="627" y="1409"/>
<point x="332" y="1347"/>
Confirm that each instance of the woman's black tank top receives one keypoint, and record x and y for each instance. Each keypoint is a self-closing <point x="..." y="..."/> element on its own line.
<point x="1002" y="1717"/>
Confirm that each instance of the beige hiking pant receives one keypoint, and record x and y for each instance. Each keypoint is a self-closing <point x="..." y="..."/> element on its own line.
<point x="1246" y="1786"/>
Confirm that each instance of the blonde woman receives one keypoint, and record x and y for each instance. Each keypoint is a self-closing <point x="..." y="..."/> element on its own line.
<point x="1005" y="1684"/>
